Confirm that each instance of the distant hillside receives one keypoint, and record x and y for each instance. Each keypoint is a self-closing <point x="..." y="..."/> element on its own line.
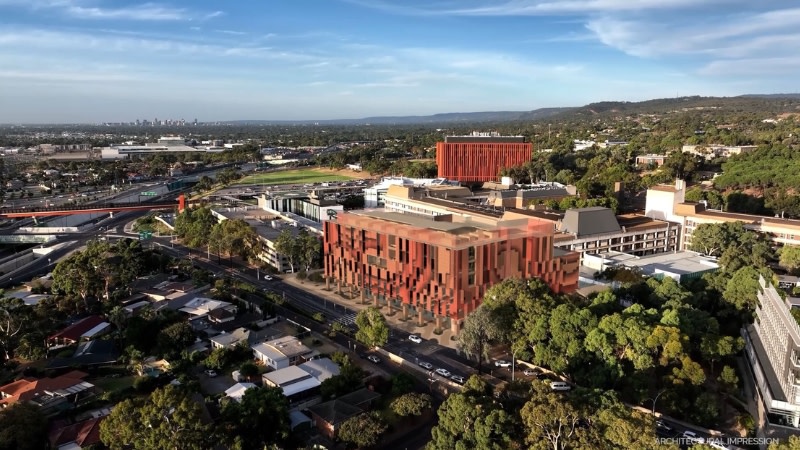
<point x="444" y="118"/>
<point x="770" y="103"/>
<point x="775" y="103"/>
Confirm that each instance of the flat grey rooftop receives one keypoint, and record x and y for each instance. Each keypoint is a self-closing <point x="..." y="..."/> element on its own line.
<point x="681" y="263"/>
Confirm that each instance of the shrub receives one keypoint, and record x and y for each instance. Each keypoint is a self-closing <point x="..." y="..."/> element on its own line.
<point x="319" y="317"/>
<point x="144" y="384"/>
<point x="316" y="277"/>
<point x="302" y="275"/>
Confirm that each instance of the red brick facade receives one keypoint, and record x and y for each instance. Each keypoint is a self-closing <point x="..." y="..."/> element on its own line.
<point x="479" y="161"/>
<point x="439" y="274"/>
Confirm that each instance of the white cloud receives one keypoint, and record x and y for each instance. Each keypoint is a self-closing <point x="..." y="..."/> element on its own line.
<point x="92" y="11"/>
<point x="540" y="7"/>
<point x="231" y="32"/>
<point x="143" y="12"/>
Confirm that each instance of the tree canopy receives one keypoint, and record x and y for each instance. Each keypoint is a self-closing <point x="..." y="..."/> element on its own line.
<point x="166" y="420"/>
<point x="372" y="328"/>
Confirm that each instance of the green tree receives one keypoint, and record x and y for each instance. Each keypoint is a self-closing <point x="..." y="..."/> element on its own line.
<point x="742" y="289"/>
<point x="22" y="427"/>
<point x="471" y="420"/>
<point x="261" y="419"/>
<point x="350" y="378"/>
<point x="12" y="319"/>
<point x="217" y="359"/>
<point x="790" y="257"/>
<point x="372" y="328"/>
<point x="176" y="337"/>
<point x="402" y="383"/>
<point x="793" y="443"/>
<point x="728" y="380"/>
<point x="249" y="370"/>
<point x="286" y="245"/>
<point x="479" y="328"/>
<point x="363" y="430"/>
<point x="411" y="404"/>
<point x="166" y="420"/>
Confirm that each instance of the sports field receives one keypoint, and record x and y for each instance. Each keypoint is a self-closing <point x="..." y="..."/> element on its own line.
<point x="299" y="176"/>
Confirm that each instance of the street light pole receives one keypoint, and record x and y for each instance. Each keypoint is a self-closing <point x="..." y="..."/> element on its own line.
<point x="513" y="362"/>
<point x="656" y="399"/>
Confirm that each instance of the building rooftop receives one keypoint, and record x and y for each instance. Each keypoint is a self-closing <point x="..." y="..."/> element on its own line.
<point x="679" y="263"/>
<point x="287" y="346"/>
<point x="321" y="369"/>
<point x="79" y="328"/>
<point x="448" y="230"/>
<point x="291" y="380"/>
<point x="589" y="221"/>
<point x="199" y="306"/>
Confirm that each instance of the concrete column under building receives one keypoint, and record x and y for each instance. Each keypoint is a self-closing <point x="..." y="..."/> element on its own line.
<point x="438" y="322"/>
<point x="328" y="283"/>
<point x="454" y="325"/>
<point x="420" y="319"/>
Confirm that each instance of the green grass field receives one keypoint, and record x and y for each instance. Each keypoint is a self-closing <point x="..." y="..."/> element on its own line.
<point x="301" y="176"/>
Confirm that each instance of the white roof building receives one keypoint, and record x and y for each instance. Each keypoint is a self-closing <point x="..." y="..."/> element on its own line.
<point x="201" y="306"/>
<point x="237" y="391"/>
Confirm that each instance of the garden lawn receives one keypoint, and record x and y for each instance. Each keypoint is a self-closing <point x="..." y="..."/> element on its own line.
<point x="109" y="384"/>
<point x="300" y="176"/>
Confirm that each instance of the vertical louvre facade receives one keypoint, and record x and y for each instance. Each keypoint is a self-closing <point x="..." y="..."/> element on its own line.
<point x="480" y="159"/>
<point x="438" y="273"/>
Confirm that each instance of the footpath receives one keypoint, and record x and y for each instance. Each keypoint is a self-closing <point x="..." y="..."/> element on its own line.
<point x="394" y="318"/>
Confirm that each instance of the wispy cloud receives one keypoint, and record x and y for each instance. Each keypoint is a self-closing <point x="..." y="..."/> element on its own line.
<point x="231" y="32"/>
<point x="143" y="12"/>
<point x="535" y="7"/>
<point x="84" y="10"/>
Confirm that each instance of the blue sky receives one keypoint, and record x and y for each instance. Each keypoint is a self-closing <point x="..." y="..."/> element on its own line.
<point x="119" y="60"/>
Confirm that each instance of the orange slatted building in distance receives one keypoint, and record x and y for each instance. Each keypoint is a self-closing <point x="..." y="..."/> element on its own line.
<point x="438" y="268"/>
<point x="480" y="156"/>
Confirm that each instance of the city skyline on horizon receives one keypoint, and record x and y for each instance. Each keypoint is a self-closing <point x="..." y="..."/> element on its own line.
<point x="94" y="61"/>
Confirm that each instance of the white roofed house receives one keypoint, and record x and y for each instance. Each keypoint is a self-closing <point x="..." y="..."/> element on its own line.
<point x="282" y="352"/>
<point x="236" y="392"/>
<point x="215" y="310"/>
<point x="302" y="382"/>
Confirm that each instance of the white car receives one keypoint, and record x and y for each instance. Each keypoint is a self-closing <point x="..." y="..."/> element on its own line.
<point x="502" y="363"/>
<point x="443" y="372"/>
<point x="425" y="365"/>
<point x="415" y="339"/>
<point x="692" y="437"/>
<point x="211" y="373"/>
<point x="560" y="386"/>
<point x="267" y="277"/>
<point x="458" y="379"/>
<point x="374" y="359"/>
<point x="529" y="372"/>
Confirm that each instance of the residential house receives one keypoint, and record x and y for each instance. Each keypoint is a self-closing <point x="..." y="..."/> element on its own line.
<point x="203" y="307"/>
<point x="243" y="336"/>
<point x="302" y="382"/>
<point x="236" y="392"/>
<point x="94" y="353"/>
<point x="282" y="352"/>
<point x="329" y="416"/>
<point x="76" y="436"/>
<point x="83" y="329"/>
<point x="51" y="394"/>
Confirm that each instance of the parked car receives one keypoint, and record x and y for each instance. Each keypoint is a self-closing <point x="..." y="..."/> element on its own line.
<point x="443" y="372"/>
<point x="692" y="437"/>
<point x="415" y="339"/>
<point x="560" y="386"/>
<point x="426" y="365"/>
<point x="267" y="277"/>
<point x="458" y="379"/>
<point x="529" y="372"/>
<point x="502" y="363"/>
<point x="211" y="373"/>
<point x="374" y="359"/>
<point x="663" y="425"/>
